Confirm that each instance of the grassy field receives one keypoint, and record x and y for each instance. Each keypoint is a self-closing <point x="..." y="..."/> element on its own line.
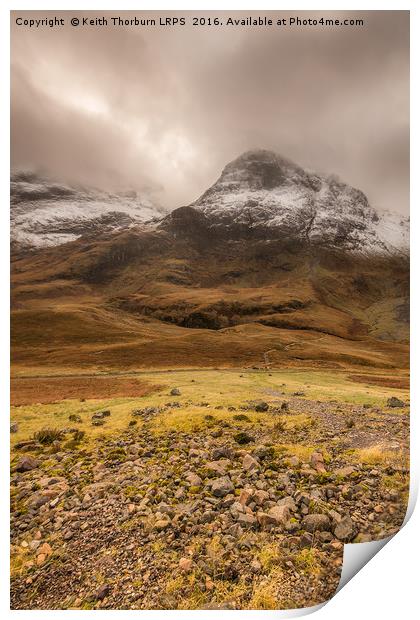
<point x="217" y="388"/>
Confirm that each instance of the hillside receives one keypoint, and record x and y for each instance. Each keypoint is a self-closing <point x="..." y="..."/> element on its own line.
<point x="203" y="287"/>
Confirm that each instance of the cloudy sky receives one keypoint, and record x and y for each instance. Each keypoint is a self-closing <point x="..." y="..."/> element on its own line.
<point x="167" y="108"/>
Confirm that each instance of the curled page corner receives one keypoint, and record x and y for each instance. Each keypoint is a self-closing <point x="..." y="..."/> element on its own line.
<point x="356" y="556"/>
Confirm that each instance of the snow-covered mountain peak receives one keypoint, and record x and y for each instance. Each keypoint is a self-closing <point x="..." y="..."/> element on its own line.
<point x="269" y="194"/>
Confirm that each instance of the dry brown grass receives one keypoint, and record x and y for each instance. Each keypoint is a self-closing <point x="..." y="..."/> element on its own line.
<point x="27" y="391"/>
<point x="400" y="383"/>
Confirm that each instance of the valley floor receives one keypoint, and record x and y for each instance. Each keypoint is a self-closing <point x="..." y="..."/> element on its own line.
<point x="201" y="489"/>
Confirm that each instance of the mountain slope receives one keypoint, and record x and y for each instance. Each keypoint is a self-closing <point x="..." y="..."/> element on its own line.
<point x="204" y="286"/>
<point x="46" y="213"/>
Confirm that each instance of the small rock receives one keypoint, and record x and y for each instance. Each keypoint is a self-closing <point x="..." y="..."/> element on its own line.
<point x="395" y="402"/>
<point x="14" y="427"/>
<point x="175" y="392"/>
<point x="161" y="524"/>
<point x="102" y="592"/>
<point x="345" y="472"/>
<point x="245" y="496"/>
<point x="193" y="479"/>
<point x="185" y="564"/>
<point x="246" y="520"/>
<point x="27" y="463"/>
<point x="345" y="530"/>
<point x="261" y="406"/>
<point x="317" y="462"/>
<point x="280" y="514"/>
<point x="222" y="486"/>
<point x="250" y="464"/>
<point x="45" y="549"/>
<point x="316" y="523"/>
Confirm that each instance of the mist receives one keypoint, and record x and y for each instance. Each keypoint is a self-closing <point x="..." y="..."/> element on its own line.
<point x="164" y="110"/>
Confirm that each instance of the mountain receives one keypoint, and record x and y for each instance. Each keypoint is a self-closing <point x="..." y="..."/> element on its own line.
<point x="47" y="213"/>
<point x="270" y="259"/>
<point x="262" y="192"/>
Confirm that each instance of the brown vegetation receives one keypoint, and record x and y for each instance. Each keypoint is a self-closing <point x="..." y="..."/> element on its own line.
<point x="26" y="391"/>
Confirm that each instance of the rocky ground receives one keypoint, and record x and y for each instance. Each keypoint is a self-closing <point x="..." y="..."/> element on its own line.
<point x="234" y="514"/>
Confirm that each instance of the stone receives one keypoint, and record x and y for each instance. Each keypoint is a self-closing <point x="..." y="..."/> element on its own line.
<point x="280" y="514"/>
<point x="161" y="524"/>
<point x="317" y="462"/>
<point x="218" y="467"/>
<point x="306" y="540"/>
<point x="260" y="496"/>
<point x="395" y="402"/>
<point x="102" y="592"/>
<point x="26" y="463"/>
<point x="45" y="549"/>
<point x="175" y="392"/>
<point x="193" y="479"/>
<point x="14" y="427"/>
<point x="245" y="496"/>
<point x="246" y="520"/>
<point x="345" y="472"/>
<point x="345" y="530"/>
<point x="289" y="502"/>
<point x="261" y="406"/>
<point x="222" y="486"/>
<point x="316" y="523"/>
<point x="221" y="452"/>
<point x="185" y="564"/>
<point x="250" y="464"/>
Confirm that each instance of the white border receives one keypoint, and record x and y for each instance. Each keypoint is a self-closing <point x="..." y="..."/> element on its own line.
<point x="400" y="576"/>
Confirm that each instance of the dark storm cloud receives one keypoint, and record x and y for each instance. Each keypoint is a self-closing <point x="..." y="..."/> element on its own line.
<point x="122" y="107"/>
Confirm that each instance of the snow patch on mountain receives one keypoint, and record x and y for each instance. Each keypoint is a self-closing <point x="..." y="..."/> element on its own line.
<point x="45" y="213"/>
<point x="262" y="190"/>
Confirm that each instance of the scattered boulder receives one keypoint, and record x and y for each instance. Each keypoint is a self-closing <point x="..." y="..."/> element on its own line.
<point x="185" y="564"/>
<point x="395" y="402"/>
<point x="14" y="427"/>
<point x="100" y="415"/>
<point x="261" y="406"/>
<point x="102" y="592"/>
<point x="345" y="472"/>
<point x="246" y="520"/>
<point x="175" y="392"/>
<point x="193" y="479"/>
<point x="317" y="462"/>
<point x="345" y="530"/>
<point x="316" y="523"/>
<point x="280" y="514"/>
<point x="222" y="486"/>
<point x="250" y="464"/>
<point x="26" y="463"/>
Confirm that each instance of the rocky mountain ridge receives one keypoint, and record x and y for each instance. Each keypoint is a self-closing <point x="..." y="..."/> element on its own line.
<point x="260" y="195"/>
<point x="47" y="213"/>
<point x="263" y="192"/>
